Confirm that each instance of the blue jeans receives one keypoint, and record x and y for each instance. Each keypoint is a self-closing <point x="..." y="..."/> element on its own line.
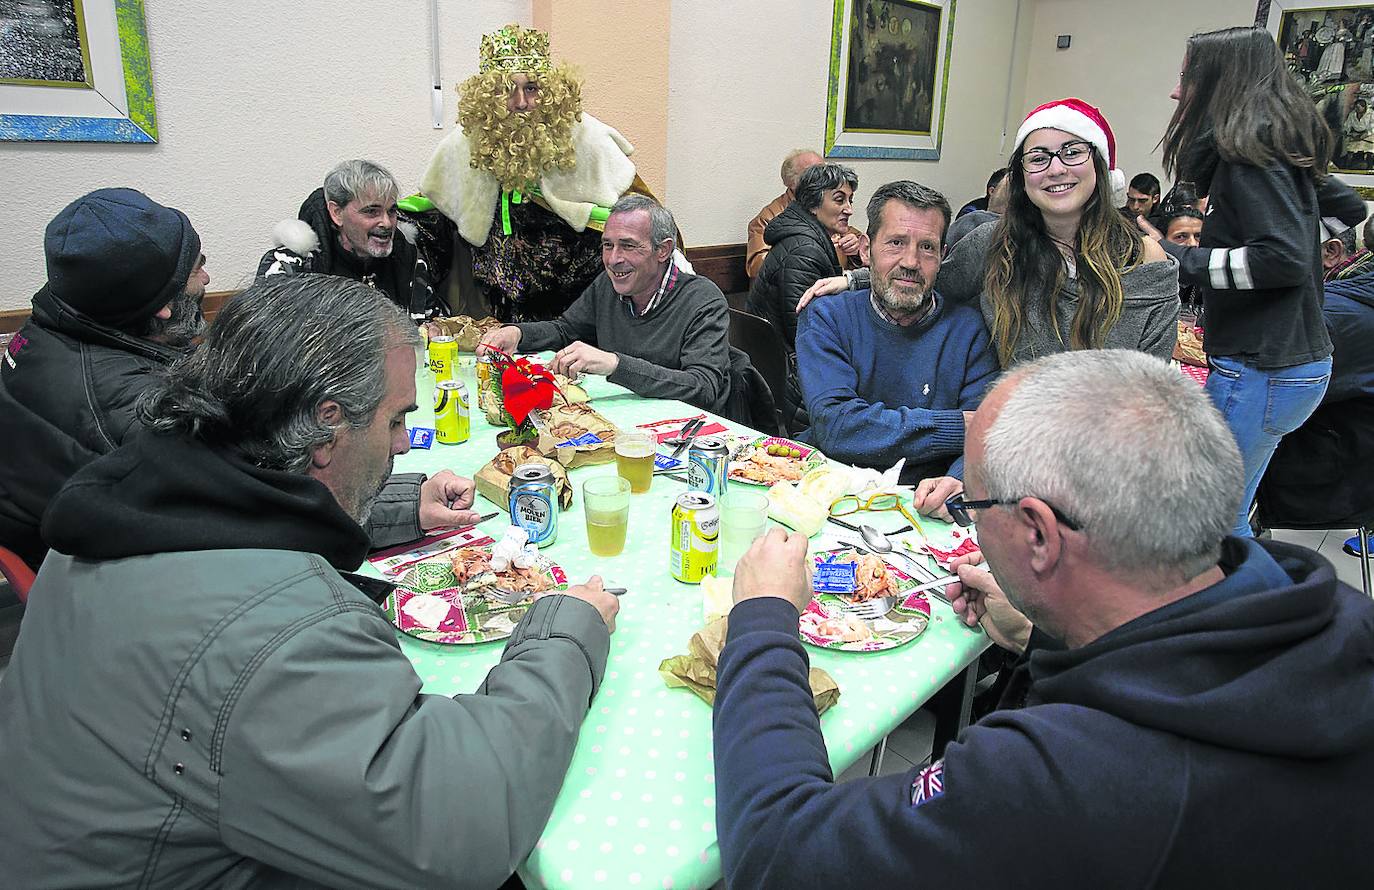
<point x="1261" y="407"/>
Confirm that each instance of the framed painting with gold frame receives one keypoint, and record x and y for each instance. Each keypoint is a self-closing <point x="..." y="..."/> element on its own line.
<point x="1329" y="48"/>
<point x="889" y="68"/>
<point x="76" y="71"/>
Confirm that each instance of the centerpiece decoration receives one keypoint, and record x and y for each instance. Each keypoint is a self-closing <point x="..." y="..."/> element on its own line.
<point x="516" y="388"/>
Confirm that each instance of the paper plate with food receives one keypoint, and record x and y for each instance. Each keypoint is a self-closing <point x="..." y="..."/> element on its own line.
<point x="460" y="599"/>
<point x="771" y="459"/>
<point x="845" y="578"/>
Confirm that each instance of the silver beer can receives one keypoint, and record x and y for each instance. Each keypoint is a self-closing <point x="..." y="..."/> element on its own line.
<point x="708" y="461"/>
<point x="534" y="503"/>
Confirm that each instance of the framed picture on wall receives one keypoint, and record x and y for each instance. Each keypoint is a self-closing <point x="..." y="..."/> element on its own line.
<point x="75" y="71"/>
<point x="889" y="63"/>
<point x="1330" y="49"/>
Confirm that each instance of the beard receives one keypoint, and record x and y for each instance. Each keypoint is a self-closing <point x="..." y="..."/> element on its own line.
<point x="518" y="149"/>
<point x="185" y="324"/>
<point x="367" y="498"/>
<point x="900" y="301"/>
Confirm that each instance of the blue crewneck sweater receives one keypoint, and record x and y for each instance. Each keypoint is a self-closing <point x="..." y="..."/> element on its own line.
<point x="878" y="392"/>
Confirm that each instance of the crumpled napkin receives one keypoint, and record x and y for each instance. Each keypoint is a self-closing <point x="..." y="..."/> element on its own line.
<point x="513" y="549"/>
<point x="697" y="670"/>
<point x="866" y="482"/>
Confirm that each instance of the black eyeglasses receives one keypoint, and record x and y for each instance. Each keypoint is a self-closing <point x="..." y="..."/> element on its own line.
<point x="959" y="510"/>
<point x="1070" y="154"/>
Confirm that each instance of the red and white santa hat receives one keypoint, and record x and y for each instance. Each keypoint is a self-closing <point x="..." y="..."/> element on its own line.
<point x="1084" y="121"/>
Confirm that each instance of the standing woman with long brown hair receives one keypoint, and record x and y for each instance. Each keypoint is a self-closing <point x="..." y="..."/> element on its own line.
<point x="1248" y="135"/>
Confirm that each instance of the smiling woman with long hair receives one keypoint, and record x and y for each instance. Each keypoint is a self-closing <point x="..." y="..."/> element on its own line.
<point x="1246" y="132"/>
<point x="1063" y="269"/>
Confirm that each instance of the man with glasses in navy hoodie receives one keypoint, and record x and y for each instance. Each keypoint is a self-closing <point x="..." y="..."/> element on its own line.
<point x="1191" y="709"/>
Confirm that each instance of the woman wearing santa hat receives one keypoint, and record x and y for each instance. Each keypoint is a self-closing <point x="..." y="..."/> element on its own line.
<point x="1246" y="132"/>
<point x="1063" y="269"/>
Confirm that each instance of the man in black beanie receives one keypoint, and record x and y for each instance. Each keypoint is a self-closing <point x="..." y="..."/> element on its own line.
<point x="126" y="278"/>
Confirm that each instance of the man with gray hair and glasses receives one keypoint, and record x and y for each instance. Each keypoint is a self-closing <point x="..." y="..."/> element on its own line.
<point x="348" y="228"/>
<point x="644" y="324"/>
<point x="1193" y="709"/>
<point x="204" y="695"/>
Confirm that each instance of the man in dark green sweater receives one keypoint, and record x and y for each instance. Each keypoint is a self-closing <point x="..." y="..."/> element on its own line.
<point x="644" y="324"/>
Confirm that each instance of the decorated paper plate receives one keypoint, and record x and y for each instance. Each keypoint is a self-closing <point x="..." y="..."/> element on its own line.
<point x="944" y="547"/>
<point x="826" y="622"/>
<point x="429" y="605"/>
<point x="770" y="459"/>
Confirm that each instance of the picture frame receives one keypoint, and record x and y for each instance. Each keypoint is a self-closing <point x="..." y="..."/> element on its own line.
<point x="1329" y="47"/>
<point x="114" y="101"/>
<point x="889" y="74"/>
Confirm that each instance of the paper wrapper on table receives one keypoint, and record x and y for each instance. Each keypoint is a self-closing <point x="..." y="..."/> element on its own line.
<point x="697" y="670"/>
<point x="1188" y="349"/>
<point x="577" y="435"/>
<point x="788" y="504"/>
<point x="493" y="480"/>
<point x="466" y="331"/>
<point x="573" y="393"/>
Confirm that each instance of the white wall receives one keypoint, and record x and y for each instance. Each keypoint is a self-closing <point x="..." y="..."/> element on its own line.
<point x="1124" y="58"/>
<point x="747" y="82"/>
<point x="255" y="102"/>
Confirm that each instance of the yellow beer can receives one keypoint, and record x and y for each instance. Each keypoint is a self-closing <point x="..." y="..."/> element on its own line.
<point x="694" y="537"/>
<point x="443" y="356"/>
<point x="452" y="420"/>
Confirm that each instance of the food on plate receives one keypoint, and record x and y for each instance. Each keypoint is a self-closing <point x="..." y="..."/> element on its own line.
<point x="778" y="450"/>
<point x="472" y="569"/>
<point x="840" y="628"/>
<point x="768" y="468"/>
<point x="427" y="610"/>
<point x="872" y="578"/>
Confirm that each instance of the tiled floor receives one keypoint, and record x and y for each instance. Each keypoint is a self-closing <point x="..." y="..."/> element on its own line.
<point x="1328" y="544"/>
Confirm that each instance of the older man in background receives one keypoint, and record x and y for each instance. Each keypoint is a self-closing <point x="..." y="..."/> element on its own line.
<point x="643" y="323"/>
<point x="1104" y="484"/>
<point x="231" y="704"/>
<point x="348" y="228"/>
<point x="847" y="246"/>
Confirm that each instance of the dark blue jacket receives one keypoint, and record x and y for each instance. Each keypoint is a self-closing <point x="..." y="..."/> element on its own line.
<point x="1223" y="741"/>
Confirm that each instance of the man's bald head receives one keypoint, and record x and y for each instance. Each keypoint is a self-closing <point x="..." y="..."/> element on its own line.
<point x="796" y="163"/>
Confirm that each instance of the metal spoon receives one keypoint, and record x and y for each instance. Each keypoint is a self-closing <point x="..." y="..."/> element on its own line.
<point x="880" y="543"/>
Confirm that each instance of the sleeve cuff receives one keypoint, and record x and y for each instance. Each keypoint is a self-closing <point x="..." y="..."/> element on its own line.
<point x="769" y="613"/>
<point x="571" y="619"/>
<point x="395" y="516"/>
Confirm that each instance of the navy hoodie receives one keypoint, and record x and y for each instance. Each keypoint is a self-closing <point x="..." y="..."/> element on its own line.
<point x="1226" y="740"/>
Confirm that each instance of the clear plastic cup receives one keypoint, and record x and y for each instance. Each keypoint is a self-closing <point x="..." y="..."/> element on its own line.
<point x="606" y="504"/>
<point x="634" y="460"/>
<point x="743" y="517"/>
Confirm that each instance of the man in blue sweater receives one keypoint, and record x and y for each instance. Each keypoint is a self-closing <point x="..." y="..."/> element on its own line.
<point x="1193" y="710"/>
<point x="894" y="372"/>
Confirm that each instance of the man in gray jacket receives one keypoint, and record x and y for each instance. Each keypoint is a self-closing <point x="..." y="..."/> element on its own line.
<point x="202" y="696"/>
<point x="644" y="324"/>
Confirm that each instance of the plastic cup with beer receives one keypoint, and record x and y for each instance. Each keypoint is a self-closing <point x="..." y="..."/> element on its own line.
<point x="634" y="459"/>
<point x="743" y="516"/>
<point x="606" y="504"/>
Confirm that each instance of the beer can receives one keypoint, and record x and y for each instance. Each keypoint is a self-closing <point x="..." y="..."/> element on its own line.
<point x="707" y="463"/>
<point x="443" y="355"/>
<point x="694" y="537"/>
<point x="534" y="503"/>
<point x="452" y="419"/>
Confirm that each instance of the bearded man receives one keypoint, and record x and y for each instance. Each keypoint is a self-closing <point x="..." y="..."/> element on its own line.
<point x="527" y="179"/>
<point x="348" y="228"/>
<point x="849" y="345"/>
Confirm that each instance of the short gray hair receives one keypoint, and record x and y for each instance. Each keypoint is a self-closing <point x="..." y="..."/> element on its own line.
<point x="662" y="227"/>
<point x="789" y="165"/>
<point x="1126" y="445"/>
<point x="273" y="355"/>
<point x="816" y="181"/>
<point x="914" y="195"/>
<point x="354" y="178"/>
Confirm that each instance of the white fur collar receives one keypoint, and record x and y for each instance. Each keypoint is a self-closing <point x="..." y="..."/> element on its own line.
<point x="468" y="196"/>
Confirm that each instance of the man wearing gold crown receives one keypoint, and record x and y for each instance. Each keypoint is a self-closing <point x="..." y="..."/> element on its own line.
<point x="526" y="179"/>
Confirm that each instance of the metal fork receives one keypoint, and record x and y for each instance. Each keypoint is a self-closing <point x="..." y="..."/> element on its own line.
<point x="869" y="610"/>
<point x="689" y="432"/>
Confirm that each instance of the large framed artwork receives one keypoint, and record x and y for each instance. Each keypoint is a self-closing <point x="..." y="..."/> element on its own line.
<point x="75" y="71"/>
<point x="889" y="66"/>
<point x="1330" y="49"/>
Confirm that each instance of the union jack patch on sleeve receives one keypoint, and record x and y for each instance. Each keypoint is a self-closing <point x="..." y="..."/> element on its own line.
<point x="929" y="784"/>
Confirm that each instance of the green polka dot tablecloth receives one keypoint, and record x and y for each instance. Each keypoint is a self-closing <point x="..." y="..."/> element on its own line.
<point x="638" y="806"/>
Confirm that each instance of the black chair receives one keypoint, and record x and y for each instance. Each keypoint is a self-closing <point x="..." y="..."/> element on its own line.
<point x="758" y="339"/>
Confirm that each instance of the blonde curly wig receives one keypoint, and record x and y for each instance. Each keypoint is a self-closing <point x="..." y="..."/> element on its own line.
<point x="518" y="148"/>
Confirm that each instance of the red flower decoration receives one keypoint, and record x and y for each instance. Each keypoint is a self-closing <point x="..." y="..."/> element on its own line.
<point x="526" y="386"/>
